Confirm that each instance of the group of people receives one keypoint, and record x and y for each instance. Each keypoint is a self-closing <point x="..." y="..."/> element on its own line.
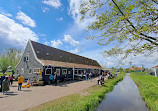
<point x="100" y="80"/>
<point x="109" y="75"/>
<point x="5" y="82"/>
<point x="53" y="78"/>
<point x="87" y="76"/>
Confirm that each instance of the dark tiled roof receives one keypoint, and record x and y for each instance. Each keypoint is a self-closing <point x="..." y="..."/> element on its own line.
<point x="45" y="52"/>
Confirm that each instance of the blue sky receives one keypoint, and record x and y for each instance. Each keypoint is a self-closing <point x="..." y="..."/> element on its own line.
<point x="52" y="22"/>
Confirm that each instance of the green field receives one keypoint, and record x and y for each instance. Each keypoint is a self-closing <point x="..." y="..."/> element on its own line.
<point x="88" y="100"/>
<point x="148" y="87"/>
<point x="8" y="73"/>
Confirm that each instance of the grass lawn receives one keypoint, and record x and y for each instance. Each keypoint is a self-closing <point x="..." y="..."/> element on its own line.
<point x="88" y="100"/>
<point x="8" y="73"/>
<point x="148" y="87"/>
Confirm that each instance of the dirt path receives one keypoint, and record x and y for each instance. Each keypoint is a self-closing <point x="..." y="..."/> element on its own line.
<point x="29" y="97"/>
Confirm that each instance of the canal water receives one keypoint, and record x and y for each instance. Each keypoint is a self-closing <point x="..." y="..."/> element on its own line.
<point x="124" y="97"/>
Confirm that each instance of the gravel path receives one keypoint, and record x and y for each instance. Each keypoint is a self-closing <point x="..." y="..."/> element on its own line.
<point x="29" y="97"/>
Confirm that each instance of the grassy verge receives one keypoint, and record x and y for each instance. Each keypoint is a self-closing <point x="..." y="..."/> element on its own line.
<point x="88" y="100"/>
<point x="7" y="73"/>
<point x="148" y="87"/>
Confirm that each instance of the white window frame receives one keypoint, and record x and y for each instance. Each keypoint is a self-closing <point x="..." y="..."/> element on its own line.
<point x="35" y="71"/>
<point x="38" y="71"/>
<point x="58" y="70"/>
<point x="27" y="57"/>
<point x="63" y="71"/>
<point x="46" y="70"/>
<point x="29" y="71"/>
<point x="22" y="70"/>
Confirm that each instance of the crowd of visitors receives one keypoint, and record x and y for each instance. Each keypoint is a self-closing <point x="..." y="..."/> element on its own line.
<point x="6" y="82"/>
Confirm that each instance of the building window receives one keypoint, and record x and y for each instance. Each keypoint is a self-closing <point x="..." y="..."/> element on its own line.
<point x="69" y="72"/>
<point x="27" y="57"/>
<point x="64" y="71"/>
<point x="36" y="70"/>
<point x="79" y="71"/>
<point x="48" y="71"/>
<point x="58" y="72"/>
<point x="30" y="71"/>
<point x="76" y="72"/>
<point x="22" y="71"/>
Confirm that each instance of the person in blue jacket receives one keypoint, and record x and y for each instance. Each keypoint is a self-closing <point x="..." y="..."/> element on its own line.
<point x="51" y="78"/>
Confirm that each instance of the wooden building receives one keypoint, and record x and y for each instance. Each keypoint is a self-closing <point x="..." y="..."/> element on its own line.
<point x="38" y="56"/>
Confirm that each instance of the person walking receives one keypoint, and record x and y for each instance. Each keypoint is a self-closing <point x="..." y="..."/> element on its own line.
<point x="56" y="79"/>
<point x="10" y="79"/>
<point x="98" y="80"/>
<point x="51" y="77"/>
<point x="5" y="85"/>
<point x="90" y="76"/>
<point x="2" y="78"/>
<point x="20" y="81"/>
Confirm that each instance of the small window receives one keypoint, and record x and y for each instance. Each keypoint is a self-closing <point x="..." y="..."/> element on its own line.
<point x="47" y="54"/>
<point x="22" y="71"/>
<point x="69" y="72"/>
<point x="79" y="71"/>
<point x="27" y="57"/>
<point x="36" y="70"/>
<point x="60" y="56"/>
<point x="48" y="71"/>
<point x="37" y="52"/>
<point x="30" y="71"/>
<point x="76" y="72"/>
<point x="58" y="72"/>
<point x="64" y="71"/>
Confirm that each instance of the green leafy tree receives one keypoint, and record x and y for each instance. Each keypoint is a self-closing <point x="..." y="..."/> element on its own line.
<point x="10" y="57"/>
<point x="127" y="26"/>
<point x="14" y="56"/>
<point x="4" y="63"/>
<point x="120" y="69"/>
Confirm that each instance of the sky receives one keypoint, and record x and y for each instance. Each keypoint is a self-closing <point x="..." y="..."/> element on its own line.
<point x="55" y="23"/>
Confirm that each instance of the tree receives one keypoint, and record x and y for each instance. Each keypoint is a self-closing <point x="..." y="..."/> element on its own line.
<point x="4" y="63"/>
<point x="120" y="69"/>
<point x="10" y="57"/>
<point x="14" y="56"/>
<point x="128" y="26"/>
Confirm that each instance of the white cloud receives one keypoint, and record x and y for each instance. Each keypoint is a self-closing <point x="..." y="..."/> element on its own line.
<point x="74" y="11"/>
<point x="53" y="3"/>
<point x="44" y="10"/>
<point x="56" y="43"/>
<point x="70" y="40"/>
<point x="60" y="19"/>
<point x="13" y="34"/>
<point x="6" y="14"/>
<point x="75" y="50"/>
<point x="26" y="20"/>
<point x="46" y="43"/>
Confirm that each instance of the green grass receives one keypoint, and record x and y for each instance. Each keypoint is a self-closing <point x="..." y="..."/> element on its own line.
<point x="88" y="100"/>
<point x="8" y="73"/>
<point x="148" y="87"/>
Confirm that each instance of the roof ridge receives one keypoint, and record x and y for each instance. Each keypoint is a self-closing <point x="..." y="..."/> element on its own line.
<point x="61" y="50"/>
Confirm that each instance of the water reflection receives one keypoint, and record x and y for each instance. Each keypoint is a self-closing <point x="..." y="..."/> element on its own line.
<point x="124" y="97"/>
